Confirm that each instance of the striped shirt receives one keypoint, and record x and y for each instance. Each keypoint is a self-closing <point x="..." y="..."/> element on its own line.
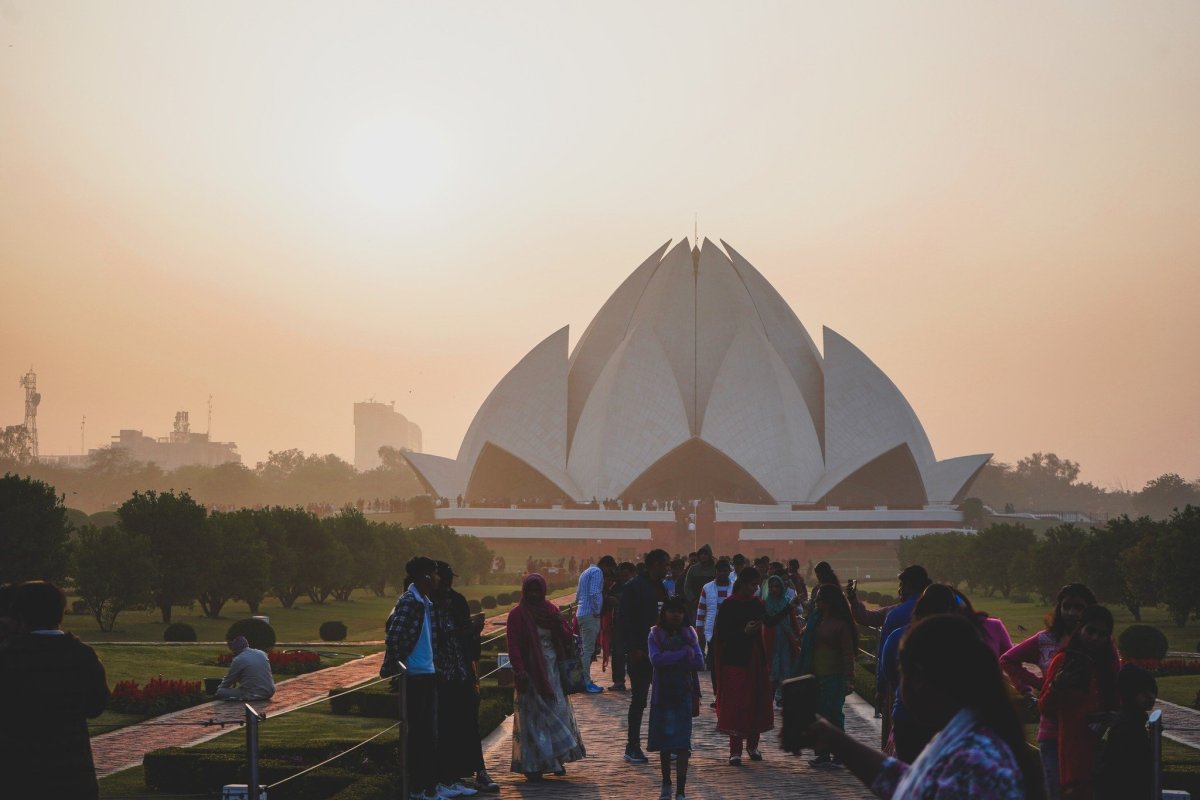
<point x="711" y="596"/>
<point x="590" y="593"/>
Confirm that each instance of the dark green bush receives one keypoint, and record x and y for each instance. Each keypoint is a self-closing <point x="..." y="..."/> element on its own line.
<point x="1020" y="597"/>
<point x="185" y="770"/>
<point x="873" y="598"/>
<point x="1142" y="641"/>
<point x="179" y="632"/>
<point x="333" y="631"/>
<point x="375" y="787"/>
<point x="259" y="634"/>
<point x="504" y="599"/>
<point x="475" y="606"/>
<point x="488" y="601"/>
<point x="378" y="701"/>
<point x="81" y="607"/>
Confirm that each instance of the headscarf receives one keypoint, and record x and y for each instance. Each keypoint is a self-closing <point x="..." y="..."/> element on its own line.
<point x="775" y="604"/>
<point x="523" y="636"/>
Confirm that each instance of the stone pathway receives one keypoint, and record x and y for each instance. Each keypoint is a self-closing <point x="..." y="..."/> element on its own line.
<point x="604" y="774"/>
<point x="1180" y="723"/>
<point x="124" y="748"/>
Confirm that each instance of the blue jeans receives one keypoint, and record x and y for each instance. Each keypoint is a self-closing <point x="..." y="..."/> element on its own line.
<point x="589" y="630"/>
<point x="1048" y="750"/>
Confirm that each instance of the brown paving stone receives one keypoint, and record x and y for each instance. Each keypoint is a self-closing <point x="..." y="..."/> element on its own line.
<point x="604" y="774"/>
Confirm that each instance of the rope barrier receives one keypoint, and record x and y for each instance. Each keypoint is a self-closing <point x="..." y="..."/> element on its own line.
<point x="152" y="724"/>
<point x="277" y="784"/>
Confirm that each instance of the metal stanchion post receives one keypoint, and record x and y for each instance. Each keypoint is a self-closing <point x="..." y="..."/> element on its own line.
<point x="403" y="687"/>
<point x="1156" y="730"/>
<point x="252" y="720"/>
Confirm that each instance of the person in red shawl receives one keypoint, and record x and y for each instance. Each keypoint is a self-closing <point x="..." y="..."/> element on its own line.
<point x="545" y="735"/>
<point x="744" y="705"/>
<point x="1081" y="681"/>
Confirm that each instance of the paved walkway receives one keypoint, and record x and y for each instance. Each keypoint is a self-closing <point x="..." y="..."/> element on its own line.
<point x="604" y="774"/>
<point x="1180" y="723"/>
<point x="124" y="748"/>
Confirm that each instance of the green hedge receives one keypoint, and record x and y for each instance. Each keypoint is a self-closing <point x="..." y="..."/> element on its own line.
<point x="495" y="703"/>
<point x="185" y="770"/>
<point x="377" y="787"/>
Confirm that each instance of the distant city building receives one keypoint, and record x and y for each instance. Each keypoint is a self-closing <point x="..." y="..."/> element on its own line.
<point x="379" y="425"/>
<point x="181" y="448"/>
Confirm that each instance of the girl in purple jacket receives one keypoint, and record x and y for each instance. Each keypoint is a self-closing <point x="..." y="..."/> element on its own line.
<point x="675" y="655"/>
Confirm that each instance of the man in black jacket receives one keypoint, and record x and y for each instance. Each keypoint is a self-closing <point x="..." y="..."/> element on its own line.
<point x="464" y="754"/>
<point x="637" y="613"/>
<point x="50" y="685"/>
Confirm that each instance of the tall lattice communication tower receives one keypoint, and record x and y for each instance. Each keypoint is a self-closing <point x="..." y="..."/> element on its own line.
<point x="32" y="398"/>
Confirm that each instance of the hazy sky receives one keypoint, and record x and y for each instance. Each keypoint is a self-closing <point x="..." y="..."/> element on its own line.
<point x="295" y="206"/>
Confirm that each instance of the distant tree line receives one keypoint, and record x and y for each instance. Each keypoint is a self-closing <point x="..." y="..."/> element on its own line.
<point x="166" y="550"/>
<point x="288" y="478"/>
<point x="1045" y="482"/>
<point x="1134" y="563"/>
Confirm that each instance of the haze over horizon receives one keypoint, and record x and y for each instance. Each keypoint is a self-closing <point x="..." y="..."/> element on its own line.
<point x="293" y="207"/>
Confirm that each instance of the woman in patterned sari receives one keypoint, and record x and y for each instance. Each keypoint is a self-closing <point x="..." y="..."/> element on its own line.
<point x="545" y="735"/>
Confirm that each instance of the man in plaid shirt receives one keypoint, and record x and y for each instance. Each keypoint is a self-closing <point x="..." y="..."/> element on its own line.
<point x="420" y="635"/>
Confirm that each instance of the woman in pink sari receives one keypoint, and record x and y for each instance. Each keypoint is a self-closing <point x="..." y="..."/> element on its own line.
<point x="545" y="735"/>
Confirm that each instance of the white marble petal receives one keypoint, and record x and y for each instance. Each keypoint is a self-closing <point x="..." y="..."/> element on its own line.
<point x="945" y="479"/>
<point x="865" y="414"/>
<point x="634" y="417"/>
<point x="437" y="473"/>
<point x="526" y="414"/>
<point x="604" y="334"/>
<point x="757" y="416"/>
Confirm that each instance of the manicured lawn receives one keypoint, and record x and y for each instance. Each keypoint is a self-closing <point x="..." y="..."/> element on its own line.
<point x="190" y="662"/>
<point x="364" y="615"/>
<point x="1180" y="689"/>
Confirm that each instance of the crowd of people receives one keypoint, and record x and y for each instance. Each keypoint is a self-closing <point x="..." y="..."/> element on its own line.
<point x="949" y="679"/>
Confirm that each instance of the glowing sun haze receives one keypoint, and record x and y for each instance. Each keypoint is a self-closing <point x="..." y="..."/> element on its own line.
<point x="296" y="206"/>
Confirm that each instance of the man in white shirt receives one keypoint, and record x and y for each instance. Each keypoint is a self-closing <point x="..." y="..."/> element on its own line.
<point x="712" y="595"/>
<point x="589" y="597"/>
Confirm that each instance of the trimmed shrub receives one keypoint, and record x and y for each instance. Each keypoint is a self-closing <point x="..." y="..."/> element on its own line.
<point x="488" y="601"/>
<point x="475" y="606"/>
<point x="259" y="634"/>
<point x="333" y="631"/>
<point x="377" y="701"/>
<point x="1142" y="641"/>
<point x="503" y="599"/>
<point x="873" y="598"/>
<point x="179" y="632"/>
<point x="369" y="788"/>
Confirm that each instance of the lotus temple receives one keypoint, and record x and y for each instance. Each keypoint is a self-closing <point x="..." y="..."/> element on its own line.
<point x="696" y="408"/>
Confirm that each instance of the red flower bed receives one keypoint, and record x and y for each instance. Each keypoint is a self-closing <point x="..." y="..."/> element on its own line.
<point x="293" y="662"/>
<point x="1167" y="667"/>
<point x="156" y="697"/>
